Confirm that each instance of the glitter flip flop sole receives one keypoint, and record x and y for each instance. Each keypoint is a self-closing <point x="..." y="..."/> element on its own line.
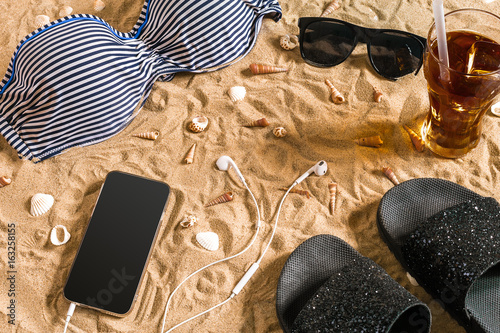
<point x="446" y="237"/>
<point x="327" y="286"/>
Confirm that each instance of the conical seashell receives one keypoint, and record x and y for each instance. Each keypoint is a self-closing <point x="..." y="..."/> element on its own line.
<point x="289" y="42"/>
<point x="188" y="221"/>
<point x="41" y="203"/>
<point x="41" y="20"/>
<point x="54" y="235"/>
<point x="99" y="5"/>
<point x="228" y="196"/>
<point x="35" y="240"/>
<point x="65" y="11"/>
<point x="332" y="187"/>
<point x="416" y="139"/>
<point x="371" y="141"/>
<point x="262" y="122"/>
<point x="190" y="155"/>
<point x="333" y="6"/>
<point x="390" y="174"/>
<point x="4" y="181"/>
<point x="377" y="95"/>
<point x="237" y="93"/>
<point x="147" y="135"/>
<point x="209" y="240"/>
<point x="198" y="124"/>
<point x="279" y="132"/>
<point x="301" y="192"/>
<point x="265" y="69"/>
<point x="337" y="97"/>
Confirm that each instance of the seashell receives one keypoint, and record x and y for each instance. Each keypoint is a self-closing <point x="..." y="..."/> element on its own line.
<point x="190" y="155"/>
<point x="333" y="6"/>
<point x="147" y="135"/>
<point x="377" y="95"/>
<point x="65" y="11"/>
<point x="188" y="221"/>
<point x="237" y="93"/>
<point x="289" y="42"/>
<point x="279" y="132"/>
<point x="226" y="197"/>
<point x="332" y="187"/>
<point x="301" y="192"/>
<point x="390" y="174"/>
<point x="99" y="5"/>
<point x="209" y="240"/>
<point x="35" y="240"/>
<point x="41" y="20"/>
<point x="4" y="181"/>
<point x="337" y="97"/>
<point x="495" y="109"/>
<point x="371" y="141"/>
<point x="265" y="69"/>
<point x="198" y="124"/>
<point x="416" y="139"/>
<point x="41" y="203"/>
<point x="412" y="280"/>
<point x="54" y="237"/>
<point x="262" y="122"/>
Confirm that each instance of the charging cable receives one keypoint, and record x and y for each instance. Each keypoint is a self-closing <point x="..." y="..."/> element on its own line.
<point x="71" y="309"/>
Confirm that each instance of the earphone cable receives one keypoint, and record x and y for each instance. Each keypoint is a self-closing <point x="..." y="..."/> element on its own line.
<point x="69" y="314"/>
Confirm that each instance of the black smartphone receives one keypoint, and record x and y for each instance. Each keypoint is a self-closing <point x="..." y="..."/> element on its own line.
<point x="110" y="263"/>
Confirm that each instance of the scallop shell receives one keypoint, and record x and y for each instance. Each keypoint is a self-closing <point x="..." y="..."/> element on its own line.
<point x="41" y="20"/>
<point x="147" y="135"/>
<point x="99" y="5"/>
<point x="34" y="240"/>
<point x="390" y="174"/>
<point x="237" y="93"/>
<point x="262" y="122"/>
<point x="188" y="221"/>
<point x="209" y="240"/>
<point x="190" y="155"/>
<point x="337" y="97"/>
<point x="65" y="11"/>
<point x="198" y="124"/>
<point x="333" y="6"/>
<point x="226" y="197"/>
<point x="54" y="237"/>
<point x="415" y="139"/>
<point x="279" y="132"/>
<point x="41" y="203"/>
<point x="371" y="141"/>
<point x="265" y="69"/>
<point x="289" y="42"/>
<point x="4" y="181"/>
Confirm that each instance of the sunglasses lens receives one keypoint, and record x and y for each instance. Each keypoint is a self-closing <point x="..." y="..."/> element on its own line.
<point x="394" y="55"/>
<point x="327" y="43"/>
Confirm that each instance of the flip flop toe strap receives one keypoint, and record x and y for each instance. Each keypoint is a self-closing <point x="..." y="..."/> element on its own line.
<point x="362" y="298"/>
<point x="453" y="248"/>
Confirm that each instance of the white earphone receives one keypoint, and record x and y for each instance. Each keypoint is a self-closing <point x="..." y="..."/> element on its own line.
<point x="319" y="169"/>
<point x="225" y="162"/>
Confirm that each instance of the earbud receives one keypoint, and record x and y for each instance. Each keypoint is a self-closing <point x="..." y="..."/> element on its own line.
<point x="224" y="162"/>
<point x="319" y="169"/>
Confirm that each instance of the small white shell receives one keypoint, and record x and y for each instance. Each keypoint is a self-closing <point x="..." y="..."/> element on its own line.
<point x="495" y="109"/>
<point x="209" y="240"/>
<point x="198" y="124"/>
<point x="99" y="5"/>
<point x="41" y="203"/>
<point x="65" y="11"/>
<point x="289" y="42"/>
<point x="237" y="93"/>
<point x="188" y="221"/>
<point x="53" y="235"/>
<point x="41" y="20"/>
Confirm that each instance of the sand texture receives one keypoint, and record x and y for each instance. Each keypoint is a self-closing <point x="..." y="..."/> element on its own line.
<point x="317" y="129"/>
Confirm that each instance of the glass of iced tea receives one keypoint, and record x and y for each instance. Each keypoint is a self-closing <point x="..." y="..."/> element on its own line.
<point x="461" y="93"/>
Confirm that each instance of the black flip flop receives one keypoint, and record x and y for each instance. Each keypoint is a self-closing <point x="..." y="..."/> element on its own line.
<point x="448" y="238"/>
<point x="327" y="286"/>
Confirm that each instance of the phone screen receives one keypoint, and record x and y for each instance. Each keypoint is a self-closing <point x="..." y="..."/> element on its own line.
<point x="115" y="249"/>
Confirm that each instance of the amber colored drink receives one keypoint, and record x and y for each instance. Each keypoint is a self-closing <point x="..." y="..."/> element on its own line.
<point x="461" y="94"/>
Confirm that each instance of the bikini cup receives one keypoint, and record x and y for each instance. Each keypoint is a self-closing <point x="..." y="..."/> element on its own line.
<point x="77" y="81"/>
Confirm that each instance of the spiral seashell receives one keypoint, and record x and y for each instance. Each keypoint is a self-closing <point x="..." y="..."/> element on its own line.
<point x="190" y="155"/>
<point x="416" y="139"/>
<point x="237" y="93"/>
<point x="371" y="141"/>
<point x="54" y="235"/>
<point x="209" y="240"/>
<point x="4" y="181"/>
<point x="41" y="20"/>
<point x="337" y="97"/>
<point x="262" y="122"/>
<point x="289" y="42"/>
<point x="41" y="203"/>
<point x="198" y="124"/>
<point x="332" y="187"/>
<point x="279" y="132"/>
<point x="301" y="192"/>
<point x="34" y="240"/>
<point x="377" y="95"/>
<point x="188" y="221"/>
<point x="333" y="6"/>
<point x="65" y="11"/>
<point x="226" y="197"/>
<point x="390" y="174"/>
<point x="147" y="135"/>
<point x="99" y="5"/>
<point x="265" y="69"/>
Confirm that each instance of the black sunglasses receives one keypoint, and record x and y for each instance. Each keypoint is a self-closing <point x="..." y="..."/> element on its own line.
<point x="327" y="42"/>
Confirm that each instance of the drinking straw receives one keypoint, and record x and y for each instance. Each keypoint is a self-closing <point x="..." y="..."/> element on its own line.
<point x="437" y="6"/>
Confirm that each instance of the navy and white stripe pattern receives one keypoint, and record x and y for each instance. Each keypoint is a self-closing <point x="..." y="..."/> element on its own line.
<point x="77" y="81"/>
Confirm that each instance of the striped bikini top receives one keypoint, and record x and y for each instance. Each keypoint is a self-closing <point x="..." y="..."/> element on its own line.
<point x="78" y="81"/>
